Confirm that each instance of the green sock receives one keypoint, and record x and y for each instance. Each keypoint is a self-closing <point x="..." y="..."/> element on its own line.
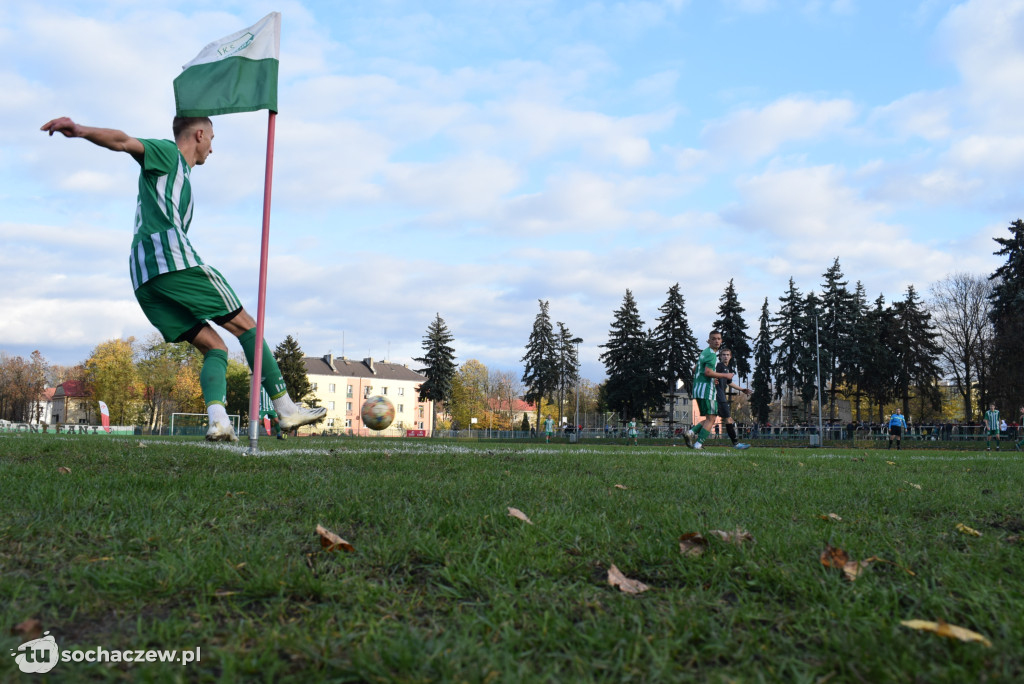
<point x="272" y="380"/>
<point x="213" y="377"/>
<point x="702" y="434"/>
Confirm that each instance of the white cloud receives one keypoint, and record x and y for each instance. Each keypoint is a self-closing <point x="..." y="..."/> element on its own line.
<point x="926" y="115"/>
<point x="751" y="134"/>
<point x="986" y="41"/>
<point x="996" y="155"/>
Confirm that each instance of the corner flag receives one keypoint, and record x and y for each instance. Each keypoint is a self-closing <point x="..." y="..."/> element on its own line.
<point x="234" y="74"/>
<point x="239" y="74"/>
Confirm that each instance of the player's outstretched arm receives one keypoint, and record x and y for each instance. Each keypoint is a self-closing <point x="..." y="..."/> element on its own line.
<point x="110" y="138"/>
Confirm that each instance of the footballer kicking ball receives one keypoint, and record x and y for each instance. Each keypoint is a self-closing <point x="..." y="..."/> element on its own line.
<point x="377" y="413"/>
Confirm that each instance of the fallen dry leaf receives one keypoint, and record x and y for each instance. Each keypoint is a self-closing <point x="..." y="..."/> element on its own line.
<point x="915" y="486"/>
<point x="968" y="530"/>
<point x="625" y="585"/>
<point x="1013" y="539"/>
<point x="692" y="544"/>
<point x="516" y="513"/>
<point x="64" y="470"/>
<point x="618" y="486"/>
<point x="737" y="536"/>
<point x="221" y="593"/>
<point x="831" y="516"/>
<point x="834" y="557"/>
<point x="852" y="569"/>
<point x="947" y="630"/>
<point x="141" y="445"/>
<point x="891" y="462"/>
<point x="331" y="541"/>
<point x="28" y="630"/>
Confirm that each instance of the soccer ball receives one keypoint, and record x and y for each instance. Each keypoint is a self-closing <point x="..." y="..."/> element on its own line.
<point x="377" y="413"/>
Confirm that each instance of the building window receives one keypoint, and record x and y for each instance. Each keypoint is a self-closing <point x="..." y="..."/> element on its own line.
<point x="330" y="406"/>
<point x="348" y="406"/>
<point x="383" y="390"/>
<point x="349" y="391"/>
<point x="366" y="391"/>
<point x="401" y="408"/>
<point x="330" y="422"/>
<point x="348" y="422"/>
<point x="330" y="388"/>
<point x="313" y="387"/>
<point x="401" y="391"/>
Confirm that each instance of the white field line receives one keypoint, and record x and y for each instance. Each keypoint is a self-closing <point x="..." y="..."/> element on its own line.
<point x="413" y="447"/>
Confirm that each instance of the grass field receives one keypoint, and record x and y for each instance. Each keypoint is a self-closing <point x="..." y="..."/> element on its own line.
<point x="159" y="543"/>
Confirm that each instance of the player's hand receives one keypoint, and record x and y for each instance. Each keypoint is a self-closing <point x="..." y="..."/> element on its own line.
<point x="63" y="125"/>
<point x="747" y="391"/>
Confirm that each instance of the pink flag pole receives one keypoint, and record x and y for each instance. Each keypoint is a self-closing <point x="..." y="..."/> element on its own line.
<point x="257" y="361"/>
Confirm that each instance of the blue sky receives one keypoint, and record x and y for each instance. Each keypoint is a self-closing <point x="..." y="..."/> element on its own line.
<point x="470" y="158"/>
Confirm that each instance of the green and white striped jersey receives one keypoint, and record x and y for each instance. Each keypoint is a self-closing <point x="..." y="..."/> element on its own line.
<point x="703" y="386"/>
<point x="992" y="420"/>
<point x="266" y="404"/>
<point x="163" y="214"/>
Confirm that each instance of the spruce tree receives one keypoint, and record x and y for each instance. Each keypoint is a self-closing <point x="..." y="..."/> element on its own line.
<point x="813" y="353"/>
<point x="632" y="385"/>
<point x="438" y="366"/>
<point x="761" y="399"/>
<point x="675" y="346"/>
<point x="734" y="330"/>
<point x="836" y="322"/>
<point x="854" y="360"/>
<point x="1005" y="372"/>
<point x="916" y="350"/>
<point x="293" y="369"/>
<point x="541" y="372"/>
<point x="568" y="364"/>
<point x="878" y="380"/>
<point x="788" y="332"/>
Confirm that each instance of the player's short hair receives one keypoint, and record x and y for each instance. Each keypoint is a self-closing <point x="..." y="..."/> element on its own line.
<point x="715" y="332"/>
<point x="184" y="124"/>
<point x="724" y="349"/>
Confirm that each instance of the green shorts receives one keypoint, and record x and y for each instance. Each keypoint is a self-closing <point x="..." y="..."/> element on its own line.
<point x="707" y="407"/>
<point x="993" y="433"/>
<point x="179" y="303"/>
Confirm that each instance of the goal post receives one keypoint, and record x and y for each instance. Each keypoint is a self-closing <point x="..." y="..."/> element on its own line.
<point x="189" y="424"/>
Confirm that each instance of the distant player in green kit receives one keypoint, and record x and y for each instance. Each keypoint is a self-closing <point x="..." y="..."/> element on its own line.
<point x="180" y="294"/>
<point x="1020" y="427"/>
<point x="991" y="427"/>
<point x="267" y="412"/>
<point x="705" y="391"/>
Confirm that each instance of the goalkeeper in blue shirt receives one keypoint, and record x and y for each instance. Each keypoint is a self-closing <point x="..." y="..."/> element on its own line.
<point x="897" y="424"/>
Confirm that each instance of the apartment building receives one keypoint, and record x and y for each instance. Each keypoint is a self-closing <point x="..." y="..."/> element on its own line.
<point x="342" y="384"/>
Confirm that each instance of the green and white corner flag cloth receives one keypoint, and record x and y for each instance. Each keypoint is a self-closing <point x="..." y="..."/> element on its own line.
<point x="234" y="74"/>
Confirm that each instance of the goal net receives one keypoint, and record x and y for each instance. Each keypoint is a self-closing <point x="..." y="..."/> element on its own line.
<point x="196" y="423"/>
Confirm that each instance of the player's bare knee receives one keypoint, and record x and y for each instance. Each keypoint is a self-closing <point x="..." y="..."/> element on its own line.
<point x="239" y="323"/>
